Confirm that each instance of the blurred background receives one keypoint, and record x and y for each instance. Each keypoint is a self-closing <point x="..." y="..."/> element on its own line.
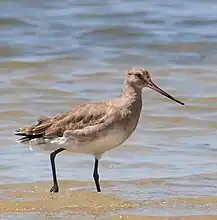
<point x="57" y="54"/>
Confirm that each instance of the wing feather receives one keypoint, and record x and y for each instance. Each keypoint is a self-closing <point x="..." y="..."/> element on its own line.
<point x="81" y="120"/>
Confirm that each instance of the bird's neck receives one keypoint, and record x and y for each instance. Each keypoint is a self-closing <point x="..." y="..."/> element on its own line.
<point x="132" y="96"/>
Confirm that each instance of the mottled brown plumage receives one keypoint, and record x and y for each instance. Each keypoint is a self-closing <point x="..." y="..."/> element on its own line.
<point x="93" y="128"/>
<point x="78" y="120"/>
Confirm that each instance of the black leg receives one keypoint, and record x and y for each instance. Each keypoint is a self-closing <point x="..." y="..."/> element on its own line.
<point x="96" y="175"/>
<point x="55" y="187"/>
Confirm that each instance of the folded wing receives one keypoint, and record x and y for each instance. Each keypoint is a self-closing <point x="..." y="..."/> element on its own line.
<point x="80" y="121"/>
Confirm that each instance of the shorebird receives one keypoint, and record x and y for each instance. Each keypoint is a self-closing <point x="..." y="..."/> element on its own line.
<point x="93" y="128"/>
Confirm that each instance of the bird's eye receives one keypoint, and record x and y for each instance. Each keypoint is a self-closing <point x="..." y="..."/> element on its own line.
<point x="138" y="75"/>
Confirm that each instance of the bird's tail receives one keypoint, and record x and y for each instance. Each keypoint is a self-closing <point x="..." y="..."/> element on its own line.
<point x="36" y="131"/>
<point x="27" y="137"/>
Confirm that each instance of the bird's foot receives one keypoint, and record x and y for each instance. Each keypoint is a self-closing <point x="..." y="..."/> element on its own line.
<point x="54" y="189"/>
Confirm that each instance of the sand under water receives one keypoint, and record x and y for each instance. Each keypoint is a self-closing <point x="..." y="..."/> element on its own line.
<point x="33" y="200"/>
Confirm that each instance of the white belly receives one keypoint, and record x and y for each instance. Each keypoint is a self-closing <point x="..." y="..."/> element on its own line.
<point x="104" y="143"/>
<point x="97" y="146"/>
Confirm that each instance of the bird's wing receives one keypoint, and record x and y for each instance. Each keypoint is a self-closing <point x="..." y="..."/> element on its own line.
<point x="80" y="121"/>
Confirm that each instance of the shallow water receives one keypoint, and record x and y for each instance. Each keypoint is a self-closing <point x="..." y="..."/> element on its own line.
<point x="55" y="55"/>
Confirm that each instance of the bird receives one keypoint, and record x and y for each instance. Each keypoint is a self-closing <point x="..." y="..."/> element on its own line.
<point x="92" y="128"/>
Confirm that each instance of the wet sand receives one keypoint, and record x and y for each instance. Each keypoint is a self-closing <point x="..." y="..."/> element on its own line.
<point x="33" y="199"/>
<point x="164" y="217"/>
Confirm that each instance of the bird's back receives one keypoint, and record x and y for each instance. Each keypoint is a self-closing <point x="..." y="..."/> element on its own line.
<point x="80" y="120"/>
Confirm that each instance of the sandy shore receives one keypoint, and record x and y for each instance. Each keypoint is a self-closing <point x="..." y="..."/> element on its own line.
<point x="34" y="199"/>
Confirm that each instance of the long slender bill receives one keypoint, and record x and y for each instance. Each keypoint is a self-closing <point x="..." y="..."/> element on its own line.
<point x="157" y="89"/>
